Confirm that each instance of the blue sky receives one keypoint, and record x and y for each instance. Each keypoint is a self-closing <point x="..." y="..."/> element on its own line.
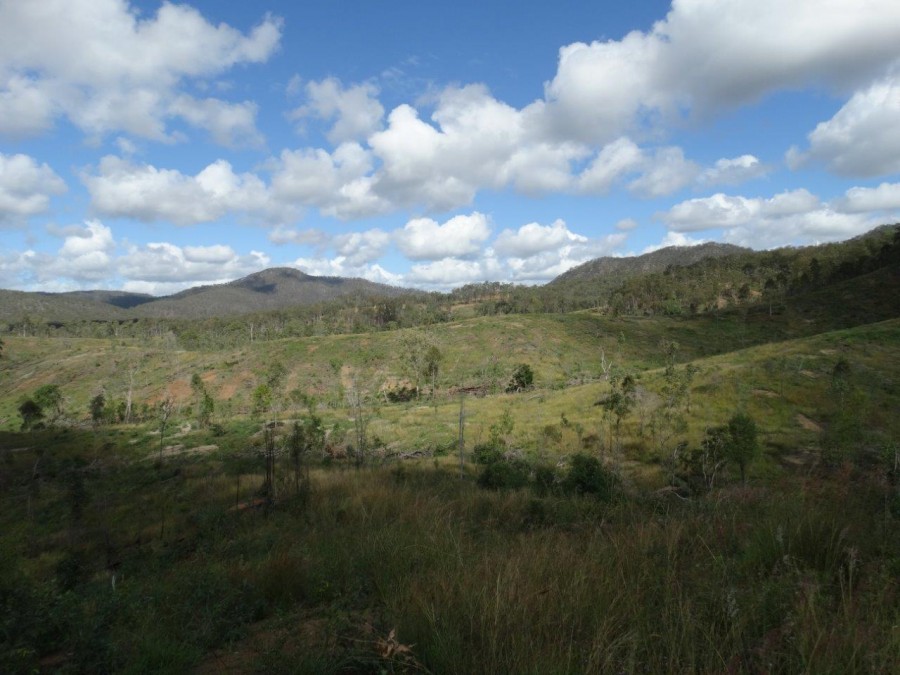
<point x="154" y="146"/>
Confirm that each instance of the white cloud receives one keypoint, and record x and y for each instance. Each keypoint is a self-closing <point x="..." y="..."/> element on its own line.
<point x="287" y="235"/>
<point x="342" y="267"/>
<point x="337" y="183"/>
<point x="25" y="187"/>
<point x="604" y="89"/>
<point x="355" y="110"/>
<point x="449" y="272"/>
<point x="85" y="255"/>
<point x="734" y="171"/>
<point x="162" y="267"/>
<point x="121" y="188"/>
<point x="863" y="138"/>
<point x="106" y="69"/>
<point x="360" y="248"/>
<point x="790" y="218"/>
<point x="614" y="161"/>
<point x="26" y="109"/>
<point x="674" y="239"/>
<point x="885" y="197"/>
<point x="666" y="173"/>
<point x="534" y="238"/>
<point x="725" y="211"/>
<point x="476" y="142"/>
<point x="230" y="124"/>
<point x="459" y="237"/>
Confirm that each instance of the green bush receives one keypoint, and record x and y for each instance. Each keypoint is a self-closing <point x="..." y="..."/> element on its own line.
<point x="587" y="475"/>
<point x="503" y="474"/>
<point x="487" y="453"/>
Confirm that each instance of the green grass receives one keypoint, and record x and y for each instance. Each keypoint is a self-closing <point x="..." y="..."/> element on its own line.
<point x="404" y="566"/>
<point x="797" y="576"/>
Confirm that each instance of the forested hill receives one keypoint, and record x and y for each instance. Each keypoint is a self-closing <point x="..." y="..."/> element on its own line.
<point x="656" y="261"/>
<point x="272" y="289"/>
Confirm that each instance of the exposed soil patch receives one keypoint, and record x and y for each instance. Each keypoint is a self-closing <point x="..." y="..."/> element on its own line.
<point x="178" y="449"/>
<point x="800" y="458"/>
<point x="807" y="423"/>
<point x="230" y="386"/>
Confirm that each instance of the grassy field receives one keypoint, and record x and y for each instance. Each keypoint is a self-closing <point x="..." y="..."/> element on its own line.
<point x="121" y="551"/>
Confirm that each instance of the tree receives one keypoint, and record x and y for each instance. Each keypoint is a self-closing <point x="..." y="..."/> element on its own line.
<point x="31" y="414"/>
<point x="619" y="403"/>
<point x="262" y="400"/>
<point x="522" y="378"/>
<point x="207" y="408"/>
<point x="98" y="409"/>
<point x="50" y="399"/>
<point x="433" y="359"/>
<point x="204" y="404"/>
<point x="307" y="438"/>
<point x="164" y="411"/>
<point x="419" y="358"/>
<point x="742" y="445"/>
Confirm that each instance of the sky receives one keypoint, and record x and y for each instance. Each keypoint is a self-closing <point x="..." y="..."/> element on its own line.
<point x="151" y="146"/>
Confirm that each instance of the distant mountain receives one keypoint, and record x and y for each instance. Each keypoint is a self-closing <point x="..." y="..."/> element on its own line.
<point x="72" y="306"/>
<point x="275" y="288"/>
<point x="657" y="261"/>
<point x="271" y="289"/>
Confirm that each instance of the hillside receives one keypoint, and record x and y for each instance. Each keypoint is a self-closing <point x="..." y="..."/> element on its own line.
<point x="272" y="289"/>
<point x="568" y="530"/>
<point x="656" y="261"/>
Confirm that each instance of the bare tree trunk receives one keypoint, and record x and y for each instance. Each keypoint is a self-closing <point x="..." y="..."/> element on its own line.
<point x="462" y="433"/>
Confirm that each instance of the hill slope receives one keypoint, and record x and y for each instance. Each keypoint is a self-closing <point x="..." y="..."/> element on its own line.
<point x="271" y="289"/>
<point x="657" y="261"/>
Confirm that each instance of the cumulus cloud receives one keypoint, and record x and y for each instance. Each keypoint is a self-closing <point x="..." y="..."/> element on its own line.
<point x="885" y="197"/>
<point x="666" y="173"/>
<point x="614" y="161"/>
<point x="789" y="218"/>
<point x="342" y="267"/>
<point x="121" y="188"/>
<point x="25" y="187"/>
<point x="106" y="69"/>
<point x="85" y="255"/>
<point x="734" y="171"/>
<point x="339" y="183"/>
<point x="359" y="248"/>
<point x="863" y="138"/>
<point x="286" y="235"/>
<point x="229" y="124"/>
<point x="162" y="267"/>
<point x="475" y="142"/>
<point x="606" y="88"/>
<point x="459" y="237"/>
<point x="674" y="239"/>
<point x="449" y="272"/>
<point x="535" y="238"/>
<point x="724" y="211"/>
<point x="355" y="110"/>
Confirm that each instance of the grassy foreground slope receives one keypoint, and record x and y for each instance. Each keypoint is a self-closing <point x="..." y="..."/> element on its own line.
<point x="112" y="561"/>
<point x="121" y="551"/>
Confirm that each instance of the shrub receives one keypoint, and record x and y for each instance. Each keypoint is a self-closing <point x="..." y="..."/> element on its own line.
<point x="522" y="378"/>
<point x="504" y="474"/>
<point x="587" y="475"/>
<point x="487" y="453"/>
